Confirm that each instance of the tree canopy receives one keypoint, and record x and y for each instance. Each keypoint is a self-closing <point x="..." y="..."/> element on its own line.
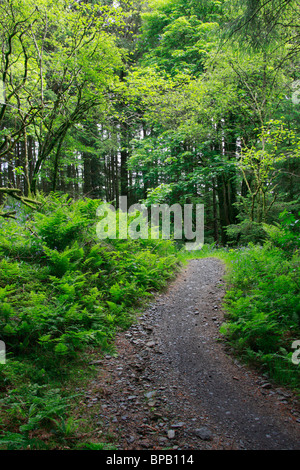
<point x="130" y="98"/>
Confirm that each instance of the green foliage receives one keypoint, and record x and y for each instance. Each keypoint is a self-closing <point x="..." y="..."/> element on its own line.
<point x="30" y="408"/>
<point x="47" y="90"/>
<point x="195" y="120"/>
<point x="285" y="234"/>
<point x="62" y="291"/>
<point x="177" y="35"/>
<point x="261" y="166"/>
<point x="245" y="232"/>
<point x="263" y="303"/>
<point x="57" y="298"/>
<point x="96" y="446"/>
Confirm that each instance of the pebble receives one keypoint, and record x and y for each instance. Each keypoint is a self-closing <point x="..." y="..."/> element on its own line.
<point x="266" y="385"/>
<point x="204" y="433"/>
<point x="151" y="403"/>
<point x="150" y="394"/>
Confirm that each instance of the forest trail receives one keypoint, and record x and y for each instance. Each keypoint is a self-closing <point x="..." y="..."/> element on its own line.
<point x="174" y="384"/>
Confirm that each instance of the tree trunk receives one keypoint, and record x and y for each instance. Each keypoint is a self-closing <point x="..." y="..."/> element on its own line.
<point x="124" y="160"/>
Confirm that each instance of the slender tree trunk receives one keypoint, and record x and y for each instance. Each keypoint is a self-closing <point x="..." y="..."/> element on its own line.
<point x="124" y="160"/>
<point x="56" y="164"/>
<point x="26" y="166"/>
<point x="215" y="213"/>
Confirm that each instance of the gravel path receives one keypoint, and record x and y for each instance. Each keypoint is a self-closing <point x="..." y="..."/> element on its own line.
<point x="174" y="385"/>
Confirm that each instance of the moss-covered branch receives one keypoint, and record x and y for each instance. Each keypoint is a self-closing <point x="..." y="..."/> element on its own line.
<point x="17" y="194"/>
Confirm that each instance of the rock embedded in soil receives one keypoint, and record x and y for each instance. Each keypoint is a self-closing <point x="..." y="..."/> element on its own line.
<point x="171" y="433"/>
<point x="204" y="433"/>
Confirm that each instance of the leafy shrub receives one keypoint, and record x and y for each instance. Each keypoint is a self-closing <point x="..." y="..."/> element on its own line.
<point x="61" y="291"/>
<point x="30" y="408"/>
<point x="246" y="232"/>
<point x="263" y="307"/>
<point x="286" y="233"/>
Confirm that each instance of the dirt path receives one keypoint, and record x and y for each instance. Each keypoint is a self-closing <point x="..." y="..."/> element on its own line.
<point x="174" y="385"/>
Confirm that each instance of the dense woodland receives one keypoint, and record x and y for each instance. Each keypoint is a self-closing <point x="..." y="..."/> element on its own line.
<point x="175" y="101"/>
<point x="162" y="101"/>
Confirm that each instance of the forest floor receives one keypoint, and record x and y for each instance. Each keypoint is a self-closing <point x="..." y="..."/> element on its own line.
<point x="175" y="384"/>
